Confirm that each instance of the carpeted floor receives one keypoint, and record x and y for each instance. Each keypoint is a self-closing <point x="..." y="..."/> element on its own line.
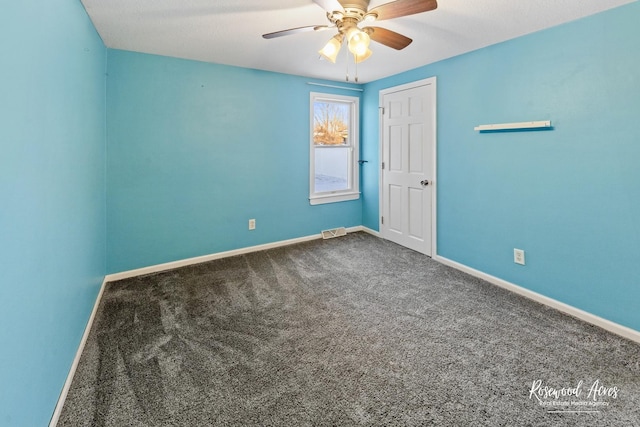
<point x="349" y="331"/>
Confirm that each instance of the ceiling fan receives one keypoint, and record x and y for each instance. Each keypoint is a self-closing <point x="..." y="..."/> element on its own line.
<point x="347" y="15"/>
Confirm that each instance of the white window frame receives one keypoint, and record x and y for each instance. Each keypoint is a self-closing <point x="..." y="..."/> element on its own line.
<point x="353" y="192"/>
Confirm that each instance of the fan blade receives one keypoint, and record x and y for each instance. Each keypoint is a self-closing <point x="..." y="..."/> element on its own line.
<point x="330" y="5"/>
<point x="399" y="8"/>
<point x="295" y="31"/>
<point x="388" y="38"/>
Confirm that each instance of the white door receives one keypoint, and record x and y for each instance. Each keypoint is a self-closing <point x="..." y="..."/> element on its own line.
<point x="408" y="165"/>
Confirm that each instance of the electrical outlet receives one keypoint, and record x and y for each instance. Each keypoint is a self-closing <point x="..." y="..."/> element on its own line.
<point x="518" y="256"/>
<point x="252" y="224"/>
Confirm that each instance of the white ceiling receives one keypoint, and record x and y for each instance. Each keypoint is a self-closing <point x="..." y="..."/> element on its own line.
<point x="230" y="31"/>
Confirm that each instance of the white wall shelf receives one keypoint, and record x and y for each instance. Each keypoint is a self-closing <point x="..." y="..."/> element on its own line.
<point x="545" y="124"/>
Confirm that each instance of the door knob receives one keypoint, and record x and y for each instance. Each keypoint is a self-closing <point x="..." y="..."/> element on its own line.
<point x="424" y="182"/>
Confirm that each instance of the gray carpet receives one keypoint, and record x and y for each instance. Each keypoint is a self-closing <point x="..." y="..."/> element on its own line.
<point x="349" y="331"/>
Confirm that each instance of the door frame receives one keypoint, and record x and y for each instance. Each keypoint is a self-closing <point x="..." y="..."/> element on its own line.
<point x="434" y="156"/>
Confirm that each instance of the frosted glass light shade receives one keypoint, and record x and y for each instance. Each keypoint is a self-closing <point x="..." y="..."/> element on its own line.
<point x="331" y="49"/>
<point x="359" y="42"/>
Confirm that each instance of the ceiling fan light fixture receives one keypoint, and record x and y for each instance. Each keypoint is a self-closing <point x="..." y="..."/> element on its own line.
<point x="331" y="49"/>
<point x="358" y="41"/>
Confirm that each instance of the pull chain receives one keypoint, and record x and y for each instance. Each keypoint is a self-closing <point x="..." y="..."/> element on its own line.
<point x="347" y="56"/>
<point x="355" y="59"/>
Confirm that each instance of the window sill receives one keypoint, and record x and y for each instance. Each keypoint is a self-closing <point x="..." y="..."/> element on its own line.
<point x="333" y="198"/>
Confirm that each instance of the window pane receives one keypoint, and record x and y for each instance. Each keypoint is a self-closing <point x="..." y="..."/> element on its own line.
<point x="334" y="148"/>
<point x="331" y="169"/>
<point x="330" y="123"/>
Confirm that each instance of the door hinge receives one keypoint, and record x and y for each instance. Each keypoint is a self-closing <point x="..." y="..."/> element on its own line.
<point x="381" y="220"/>
<point x="382" y="108"/>
<point x="382" y="165"/>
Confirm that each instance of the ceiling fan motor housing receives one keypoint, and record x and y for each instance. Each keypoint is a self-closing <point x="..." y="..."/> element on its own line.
<point x="362" y="5"/>
<point x="353" y="13"/>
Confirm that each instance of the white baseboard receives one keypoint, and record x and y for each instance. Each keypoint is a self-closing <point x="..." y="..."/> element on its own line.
<point x="369" y="230"/>
<point x="67" y="384"/>
<point x="608" y="325"/>
<point x="206" y="258"/>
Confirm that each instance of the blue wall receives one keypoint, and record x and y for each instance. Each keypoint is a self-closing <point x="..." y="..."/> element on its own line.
<point x="52" y="214"/>
<point x="569" y="197"/>
<point x="196" y="150"/>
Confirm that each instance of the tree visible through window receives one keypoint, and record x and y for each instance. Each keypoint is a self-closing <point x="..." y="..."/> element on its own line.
<point x="334" y="145"/>
<point x="331" y="123"/>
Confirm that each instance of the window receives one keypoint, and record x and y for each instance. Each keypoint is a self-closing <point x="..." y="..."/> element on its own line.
<point x="334" y="148"/>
